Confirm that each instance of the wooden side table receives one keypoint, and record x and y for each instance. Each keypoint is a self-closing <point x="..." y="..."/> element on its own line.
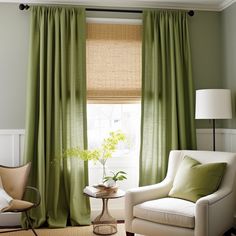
<point x="104" y="223"/>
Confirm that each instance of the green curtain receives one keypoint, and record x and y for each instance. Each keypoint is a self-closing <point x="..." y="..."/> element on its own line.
<point x="167" y="92"/>
<point x="56" y="115"/>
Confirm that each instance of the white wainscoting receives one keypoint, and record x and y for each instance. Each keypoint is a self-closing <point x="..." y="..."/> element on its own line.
<point x="11" y="147"/>
<point x="11" y="154"/>
<point x="225" y="140"/>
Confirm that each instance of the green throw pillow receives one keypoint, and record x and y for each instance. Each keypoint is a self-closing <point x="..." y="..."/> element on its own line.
<point x="194" y="180"/>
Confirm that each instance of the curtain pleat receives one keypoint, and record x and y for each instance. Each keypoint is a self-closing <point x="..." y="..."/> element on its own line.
<point x="167" y="92"/>
<point x="56" y="115"/>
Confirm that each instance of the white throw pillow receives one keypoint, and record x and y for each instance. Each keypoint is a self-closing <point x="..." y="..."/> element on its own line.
<point x="5" y="199"/>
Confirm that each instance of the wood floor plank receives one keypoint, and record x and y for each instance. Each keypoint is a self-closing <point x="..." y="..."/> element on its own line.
<point x="71" y="231"/>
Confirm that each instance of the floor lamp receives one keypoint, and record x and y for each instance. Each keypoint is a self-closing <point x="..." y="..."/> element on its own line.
<point x="213" y="104"/>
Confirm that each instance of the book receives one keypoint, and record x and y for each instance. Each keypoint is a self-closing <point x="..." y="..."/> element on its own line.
<point x="99" y="191"/>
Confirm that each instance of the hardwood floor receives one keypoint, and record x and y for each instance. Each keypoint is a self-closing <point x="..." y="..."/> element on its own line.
<point x="70" y="231"/>
<point x="77" y="231"/>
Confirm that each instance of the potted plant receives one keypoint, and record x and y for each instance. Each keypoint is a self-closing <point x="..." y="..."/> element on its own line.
<point x="101" y="154"/>
<point x="110" y="181"/>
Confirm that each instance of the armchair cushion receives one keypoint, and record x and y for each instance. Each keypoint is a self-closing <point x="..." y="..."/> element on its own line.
<point x="168" y="211"/>
<point x="194" y="180"/>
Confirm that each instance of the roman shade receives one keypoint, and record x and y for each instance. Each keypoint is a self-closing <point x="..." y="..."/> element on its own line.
<point x="113" y="63"/>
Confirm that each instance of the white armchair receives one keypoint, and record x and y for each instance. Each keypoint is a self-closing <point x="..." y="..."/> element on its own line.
<point x="149" y="210"/>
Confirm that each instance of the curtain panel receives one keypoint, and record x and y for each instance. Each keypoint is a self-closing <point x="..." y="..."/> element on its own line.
<point x="167" y="120"/>
<point x="56" y="115"/>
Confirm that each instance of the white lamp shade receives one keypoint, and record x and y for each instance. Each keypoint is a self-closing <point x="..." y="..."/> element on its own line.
<point x="213" y="104"/>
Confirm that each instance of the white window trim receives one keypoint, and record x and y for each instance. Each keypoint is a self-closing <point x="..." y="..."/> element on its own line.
<point x="114" y="21"/>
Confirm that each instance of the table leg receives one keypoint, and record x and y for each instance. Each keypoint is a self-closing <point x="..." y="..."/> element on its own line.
<point x="104" y="223"/>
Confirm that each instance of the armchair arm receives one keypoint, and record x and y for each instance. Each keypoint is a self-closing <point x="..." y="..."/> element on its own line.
<point x="214" y="213"/>
<point x="37" y="194"/>
<point x="138" y="195"/>
<point x="214" y="197"/>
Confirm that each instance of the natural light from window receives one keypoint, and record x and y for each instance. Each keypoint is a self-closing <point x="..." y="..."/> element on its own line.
<point x="104" y="118"/>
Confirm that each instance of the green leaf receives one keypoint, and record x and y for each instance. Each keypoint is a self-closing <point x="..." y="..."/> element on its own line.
<point x="106" y="151"/>
<point x="118" y="176"/>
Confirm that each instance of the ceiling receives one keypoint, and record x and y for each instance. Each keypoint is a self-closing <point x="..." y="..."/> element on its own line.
<point x="211" y="5"/>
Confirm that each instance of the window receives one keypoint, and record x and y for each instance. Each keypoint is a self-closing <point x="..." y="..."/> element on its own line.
<point x="103" y="118"/>
<point x="114" y="92"/>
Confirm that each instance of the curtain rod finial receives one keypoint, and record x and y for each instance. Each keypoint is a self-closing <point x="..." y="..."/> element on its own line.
<point x="191" y="13"/>
<point x="23" y="6"/>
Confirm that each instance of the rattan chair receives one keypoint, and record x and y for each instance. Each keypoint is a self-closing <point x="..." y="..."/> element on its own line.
<point x="13" y="181"/>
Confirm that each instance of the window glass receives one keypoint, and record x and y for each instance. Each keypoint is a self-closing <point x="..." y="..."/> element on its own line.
<point x="103" y="118"/>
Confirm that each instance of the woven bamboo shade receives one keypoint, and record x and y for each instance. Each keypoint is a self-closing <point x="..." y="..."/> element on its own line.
<point x="113" y="62"/>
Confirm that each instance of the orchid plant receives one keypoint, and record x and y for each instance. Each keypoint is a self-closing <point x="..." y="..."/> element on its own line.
<point x="112" y="179"/>
<point x="101" y="154"/>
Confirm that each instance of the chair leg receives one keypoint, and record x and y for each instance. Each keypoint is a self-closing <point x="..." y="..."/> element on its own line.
<point x="129" y="234"/>
<point x="30" y="223"/>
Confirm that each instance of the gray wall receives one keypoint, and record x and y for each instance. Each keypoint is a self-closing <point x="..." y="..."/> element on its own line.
<point x="14" y="35"/>
<point x="204" y="29"/>
<point x="228" y="36"/>
<point x="14" y="32"/>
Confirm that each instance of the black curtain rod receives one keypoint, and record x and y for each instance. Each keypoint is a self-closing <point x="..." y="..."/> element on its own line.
<point x="190" y="13"/>
<point x="26" y="7"/>
<point x="114" y="10"/>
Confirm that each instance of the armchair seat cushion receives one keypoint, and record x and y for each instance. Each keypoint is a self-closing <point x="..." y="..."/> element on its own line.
<point x="168" y="211"/>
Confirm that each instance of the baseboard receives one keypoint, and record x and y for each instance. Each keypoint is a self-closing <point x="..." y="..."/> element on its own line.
<point x="10" y="219"/>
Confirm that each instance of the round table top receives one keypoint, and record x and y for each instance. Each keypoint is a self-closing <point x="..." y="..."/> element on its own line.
<point x="120" y="193"/>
